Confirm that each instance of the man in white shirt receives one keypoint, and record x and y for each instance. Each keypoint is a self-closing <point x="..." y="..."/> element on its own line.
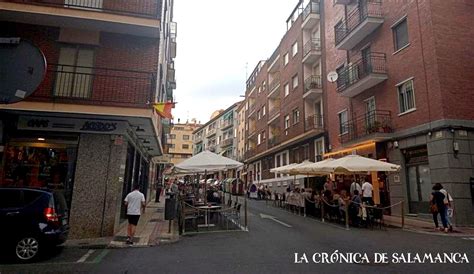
<point x="355" y="186"/>
<point x="367" y="190"/>
<point x="135" y="202"/>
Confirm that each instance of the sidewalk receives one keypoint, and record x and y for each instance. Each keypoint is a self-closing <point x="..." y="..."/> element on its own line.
<point x="426" y="226"/>
<point x="152" y="230"/>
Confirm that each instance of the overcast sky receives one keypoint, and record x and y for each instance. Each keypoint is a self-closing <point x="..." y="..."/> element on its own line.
<point x="216" y="38"/>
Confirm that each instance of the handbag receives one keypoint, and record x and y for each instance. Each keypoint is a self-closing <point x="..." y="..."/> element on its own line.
<point x="433" y="208"/>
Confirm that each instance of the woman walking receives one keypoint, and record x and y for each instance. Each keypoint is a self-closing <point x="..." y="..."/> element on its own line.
<point x="437" y="206"/>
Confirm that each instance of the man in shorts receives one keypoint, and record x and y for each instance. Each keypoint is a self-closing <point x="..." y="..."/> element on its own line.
<point x="135" y="202"/>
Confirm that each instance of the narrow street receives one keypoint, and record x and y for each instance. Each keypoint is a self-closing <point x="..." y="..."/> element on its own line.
<point x="269" y="247"/>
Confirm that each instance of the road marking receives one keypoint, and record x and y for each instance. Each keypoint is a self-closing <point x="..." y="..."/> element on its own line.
<point x="100" y="256"/>
<point x="469" y="238"/>
<point x="264" y="216"/>
<point x="84" y="258"/>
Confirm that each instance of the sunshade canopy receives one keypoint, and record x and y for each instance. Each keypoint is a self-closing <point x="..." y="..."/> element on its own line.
<point x="312" y="168"/>
<point x="356" y="163"/>
<point x="283" y="169"/>
<point x="206" y="161"/>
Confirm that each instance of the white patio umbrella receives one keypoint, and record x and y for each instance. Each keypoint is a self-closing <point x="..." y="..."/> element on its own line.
<point x="206" y="161"/>
<point x="313" y="168"/>
<point x="283" y="169"/>
<point x="356" y="163"/>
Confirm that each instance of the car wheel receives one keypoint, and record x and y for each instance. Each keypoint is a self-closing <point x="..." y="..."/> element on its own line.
<point x="27" y="248"/>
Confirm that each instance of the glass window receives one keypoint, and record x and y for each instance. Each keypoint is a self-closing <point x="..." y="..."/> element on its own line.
<point x="400" y="34"/>
<point x="10" y="198"/>
<point x="294" y="49"/>
<point x="343" y="122"/>
<point x="295" y="81"/>
<point x="287" y="90"/>
<point x="185" y="137"/>
<point x="406" y="96"/>
<point x="287" y="121"/>
<point x="185" y="146"/>
<point x="258" y="114"/>
<point x="296" y="116"/>
<point x="259" y="139"/>
<point x="172" y="136"/>
<point x="286" y="59"/>
<point x="263" y="111"/>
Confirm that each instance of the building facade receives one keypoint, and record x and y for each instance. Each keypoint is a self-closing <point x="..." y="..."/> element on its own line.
<point x="284" y="109"/>
<point x="180" y="142"/>
<point x="219" y="135"/>
<point x="89" y="130"/>
<point x="404" y="94"/>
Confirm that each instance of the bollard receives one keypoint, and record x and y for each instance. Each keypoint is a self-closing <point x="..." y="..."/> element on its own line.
<point x="347" y="216"/>
<point x="403" y="214"/>
<point x="304" y="211"/>
<point x="322" y="212"/>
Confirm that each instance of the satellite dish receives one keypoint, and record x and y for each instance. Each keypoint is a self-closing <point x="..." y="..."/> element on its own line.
<point x="22" y="69"/>
<point x="332" y="76"/>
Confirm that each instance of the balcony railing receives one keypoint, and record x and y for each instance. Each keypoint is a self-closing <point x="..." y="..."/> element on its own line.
<point x="312" y="7"/>
<point x="226" y="123"/>
<point x="275" y="82"/>
<point x="211" y="132"/>
<point x="373" y="8"/>
<point x="227" y="142"/>
<point x="272" y="62"/>
<point x="314" y="44"/>
<point x="96" y="86"/>
<point x="139" y="8"/>
<point x="312" y="82"/>
<point x="375" y="62"/>
<point x="314" y="122"/>
<point x="249" y="153"/>
<point x="273" y="141"/>
<point x="273" y="111"/>
<point x="378" y="121"/>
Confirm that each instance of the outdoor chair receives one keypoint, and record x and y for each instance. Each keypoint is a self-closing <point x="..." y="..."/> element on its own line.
<point x="191" y="214"/>
<point x="233" y="215"/>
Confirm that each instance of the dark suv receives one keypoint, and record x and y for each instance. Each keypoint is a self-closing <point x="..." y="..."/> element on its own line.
<point x="31" y="220"/>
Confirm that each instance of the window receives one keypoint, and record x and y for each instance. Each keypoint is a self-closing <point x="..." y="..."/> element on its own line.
<point x="400" y="34"/>
<point x="185" y="146"/>
<point x="259" y="89"/>
<point x="74" y="74"/>
<point x="287" y="90"/>
<point x="172" y="136"/>
<point x="259" y="139"/>
<point x="295" y="81"/>
<point x="294" y="49"/>
<point x="319" y="149"/>
<point x="186" y="137"/>
<point x="264" y="85"/>
<point x="296" y="116"/>
<point x="258" y="114"/>
<point x="287" y="121"/>
<point x="263" y="135"/>
<point x="171" y="145"/>
<point x="263" y="111"/>
<point x="286" y="59"/>
<point x="406" y="96"/>
<point x="342" y="122"/>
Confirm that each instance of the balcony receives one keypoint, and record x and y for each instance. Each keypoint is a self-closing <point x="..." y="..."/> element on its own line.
<point x="227" y="142"/>
<point x="311" y="15"/>
<point x="249" y="153"/>
<point x="312" y="87"/>
<point x="211" y="132"/>
<point x="362" y="75"/>
<point x="274" y="87"/>
<point x="342" y="2"/>
<point x="226" y="124"/>
<point x="314" y="122"/>
<point x="274" y="141"/>
<point x="251" y="109"/>
<point x="274" y="61"/>
<point x="198" y="139"/>
<point x="96" y="86"/>
<point x="359" y="23"/>
<point x="375" y="125"/>
<point x="137" y="17"/>
<point x="312" y="51"/>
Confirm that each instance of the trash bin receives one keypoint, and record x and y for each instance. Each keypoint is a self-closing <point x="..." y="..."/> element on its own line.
<point x="170" y="209"/>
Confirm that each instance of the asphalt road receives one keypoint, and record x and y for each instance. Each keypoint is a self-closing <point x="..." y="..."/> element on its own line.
<point x="268" y="247"/>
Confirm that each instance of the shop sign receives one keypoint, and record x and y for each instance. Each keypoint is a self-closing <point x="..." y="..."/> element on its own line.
<point x="163" y="159"/>
<point x="417" y="155"/>
<point x="71" y="125"/>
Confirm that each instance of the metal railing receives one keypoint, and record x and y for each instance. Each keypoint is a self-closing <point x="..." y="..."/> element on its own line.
<point x="375" y="62"/>
<point x="249" y="153"/>
<point x="274" y="83"/>
<point x="273" y="141"/>
<point x="356" y="17"/>
<point x="314" y="122"/>
<point x="97" y="86"/>
<point x="312" y="44"/>
<point x="226" y="123"/>
<point x="312" y="82"/>
<point x="227" y="142"/>
<point x="139" y="8"/>
<point x="273" y="111"/>
<point x="211" y="132"/>
<point x="378" y="121"/>
<point x="311" y="8"/>
<point x="274" y="56"/>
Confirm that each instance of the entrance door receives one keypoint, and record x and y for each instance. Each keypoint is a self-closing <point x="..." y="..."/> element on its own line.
<point x="318" y="114"/>
<point x="369" y="113"/>
<point x="419" y="188"/>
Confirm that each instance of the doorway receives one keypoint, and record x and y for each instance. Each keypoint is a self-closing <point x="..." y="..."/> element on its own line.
<point x="419" y="186"/>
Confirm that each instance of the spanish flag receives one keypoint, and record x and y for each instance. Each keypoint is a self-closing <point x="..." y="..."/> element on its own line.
<point x="164" y="109"/>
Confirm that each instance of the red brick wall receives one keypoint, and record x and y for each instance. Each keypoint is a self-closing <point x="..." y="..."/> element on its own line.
<point x="116" y="52"/>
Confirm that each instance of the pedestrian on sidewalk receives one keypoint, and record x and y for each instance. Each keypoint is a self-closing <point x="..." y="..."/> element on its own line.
<point x="438" y="206"/>
<point x="159" y="188"/>
<point x="367" y="192"/>
<point x="448" y="202"/>
<point x="355" y="186"/>
<point x="135" y="202"/>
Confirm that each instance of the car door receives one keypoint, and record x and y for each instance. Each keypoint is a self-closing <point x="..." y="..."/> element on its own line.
<point x="11" y="201"/>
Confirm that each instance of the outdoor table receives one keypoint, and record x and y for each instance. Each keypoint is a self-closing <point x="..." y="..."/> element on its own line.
<point x="207" y="208"/>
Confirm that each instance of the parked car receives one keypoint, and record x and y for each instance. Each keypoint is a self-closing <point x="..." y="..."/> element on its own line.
<point x="32" y="221"/>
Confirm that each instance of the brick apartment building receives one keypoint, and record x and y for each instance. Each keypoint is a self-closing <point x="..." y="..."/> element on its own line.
<point x="284" y="102"/>
<point x="89" y="130"/>
<point x="403" y="93"/>
<point x="180" y="142"/>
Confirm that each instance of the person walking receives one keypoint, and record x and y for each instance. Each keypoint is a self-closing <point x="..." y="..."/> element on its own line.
<point x="135" y="202"/>
<point x="437" y="206"/>
<point x="448" y="202"/>
<point x="367" y="191"/>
